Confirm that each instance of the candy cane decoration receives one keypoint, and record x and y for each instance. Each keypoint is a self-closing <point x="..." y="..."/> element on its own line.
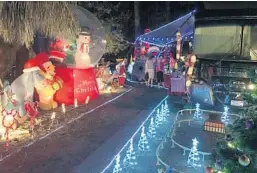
<point x="191" y="64"/>
<point x="178" y="47"/>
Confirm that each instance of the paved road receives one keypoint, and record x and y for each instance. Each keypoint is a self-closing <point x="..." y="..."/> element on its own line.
<point x="69" y="147"/>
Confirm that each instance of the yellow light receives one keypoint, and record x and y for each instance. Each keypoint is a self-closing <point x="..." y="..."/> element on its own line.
<point x="87" y="100"/>
<point x="230" y="145"/>
<point x="63" y="108"/>
<point x="251" y="86"/>
<point x="75" y="103"/>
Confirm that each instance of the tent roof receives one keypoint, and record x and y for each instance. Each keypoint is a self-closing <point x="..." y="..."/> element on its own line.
<point x="167" y="33"/>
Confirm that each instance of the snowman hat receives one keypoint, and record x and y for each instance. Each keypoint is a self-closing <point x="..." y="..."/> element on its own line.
<point x="31" y="65"/>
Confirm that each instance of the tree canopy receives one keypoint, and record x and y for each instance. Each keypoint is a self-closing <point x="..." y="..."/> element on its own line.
<point x="20" y="20"/>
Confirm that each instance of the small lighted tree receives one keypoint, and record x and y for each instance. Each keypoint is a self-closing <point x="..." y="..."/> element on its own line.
<point x="225" y="116"/>
<point x="143" y="145"/>
<point x="130" y="158"/>
<point x="152" y="130"/>
<point x="163" y="113"/>
<point x="193" y="158"/>
<point x="117" y="168"/>
<point x="198" y="113"/>
<point x="166" y="107"/>
<point x="158" y="118"/>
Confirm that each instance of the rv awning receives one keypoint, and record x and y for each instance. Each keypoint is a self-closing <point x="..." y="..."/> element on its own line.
<point x="167" y="33"/>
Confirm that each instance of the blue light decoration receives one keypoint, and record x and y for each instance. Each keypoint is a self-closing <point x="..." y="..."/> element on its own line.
<point x="142" y="124"/>
<point x="143" y="145"/>
<point x="225" y="116"/>
<point x="194" y="158"/>
<point x="151" y="129"/>
<point x="130" y="158"/>
<point x="117" y="168"/>
<point x="162" y="42"/>
<point x="198" y="113"/>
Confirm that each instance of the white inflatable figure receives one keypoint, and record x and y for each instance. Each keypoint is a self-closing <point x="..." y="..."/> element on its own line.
<point x="82" y="57"/>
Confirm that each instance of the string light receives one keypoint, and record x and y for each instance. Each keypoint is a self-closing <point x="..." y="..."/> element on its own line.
<point x="140" y="127"/>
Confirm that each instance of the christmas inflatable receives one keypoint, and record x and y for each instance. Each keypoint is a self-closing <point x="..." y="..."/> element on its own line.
<point x="52" y="83"/>
<point x="78" y="73"/>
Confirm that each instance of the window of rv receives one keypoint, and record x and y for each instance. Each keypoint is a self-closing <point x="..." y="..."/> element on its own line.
<point x="226" y="39"/>
<point x="217" y="39"/>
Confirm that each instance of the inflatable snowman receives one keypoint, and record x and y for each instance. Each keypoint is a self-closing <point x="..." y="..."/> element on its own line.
<point x="82" y="58"/>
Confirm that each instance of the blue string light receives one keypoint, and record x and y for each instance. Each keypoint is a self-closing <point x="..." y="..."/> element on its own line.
<point x="140" y="127"/>
<point x="142" y="37"/>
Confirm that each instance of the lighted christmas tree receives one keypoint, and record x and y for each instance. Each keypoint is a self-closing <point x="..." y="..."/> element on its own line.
<point x="193" y="158"/>
<point x="225" y="116"/>
<point x="158" y="118"/>
<point x="166" y="108"/>
<point x="163" y="113"/>
<point x="130" y="158"/>
<point x="143" y="145"/>
<point x="198" y="113"/>
<point x="152" y="130"/>
<point x="117" y="168"/>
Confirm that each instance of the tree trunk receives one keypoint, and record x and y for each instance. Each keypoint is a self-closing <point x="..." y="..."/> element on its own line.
<point x="168" y="11"/>
<point x="136" y="19"/>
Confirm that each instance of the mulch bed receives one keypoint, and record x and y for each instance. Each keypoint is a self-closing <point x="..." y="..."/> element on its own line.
<point x="45" y="124"/>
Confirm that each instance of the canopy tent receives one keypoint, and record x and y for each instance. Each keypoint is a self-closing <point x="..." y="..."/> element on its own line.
<point x="167" y="34"/>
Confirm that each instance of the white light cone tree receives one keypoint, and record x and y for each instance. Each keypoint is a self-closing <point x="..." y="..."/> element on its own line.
<point x="194" y="158"/>
<point x="143" y="145"/>
<point x="158" y="118"/>
<point x="117" y="168"/>
<point x="225" y="116"/>
<point x="130" y="158"/>
<point x="198" y="113"/>
<point x="151" y="129"/>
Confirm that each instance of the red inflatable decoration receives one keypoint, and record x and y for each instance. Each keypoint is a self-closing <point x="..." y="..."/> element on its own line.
<point x="78" y="84"/>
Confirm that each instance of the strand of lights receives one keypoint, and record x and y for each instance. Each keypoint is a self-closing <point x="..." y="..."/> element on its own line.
<point x="193" y="158"/>
<point x="142" y="124"/>
<point x="150" y="41"/>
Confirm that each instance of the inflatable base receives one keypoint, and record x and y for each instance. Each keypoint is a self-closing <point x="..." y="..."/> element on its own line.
<point x="78" y="84"/>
